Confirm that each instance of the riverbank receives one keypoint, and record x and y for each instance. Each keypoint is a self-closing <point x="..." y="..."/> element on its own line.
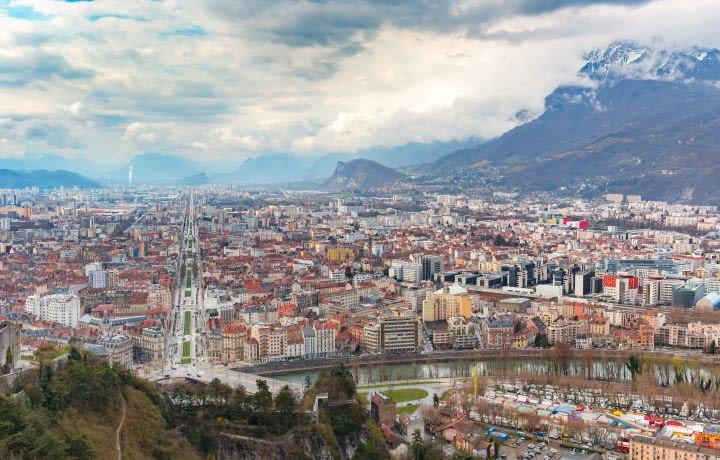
<point x="602" y="365"/>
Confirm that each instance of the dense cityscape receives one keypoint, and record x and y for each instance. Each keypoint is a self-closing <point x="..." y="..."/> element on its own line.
<point x="474" y="320"/>
<point x="359" y="230"/>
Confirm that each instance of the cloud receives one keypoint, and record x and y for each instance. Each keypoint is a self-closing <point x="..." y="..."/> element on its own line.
<point x="140" y="133"/>
<point x="37" y="66"/>
<point x="74" y="109"/>
<point x="51" y="134"/>
<point x="222" y="79"/>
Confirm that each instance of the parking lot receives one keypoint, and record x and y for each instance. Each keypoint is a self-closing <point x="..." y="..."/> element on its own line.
<point x="531" y="450"/>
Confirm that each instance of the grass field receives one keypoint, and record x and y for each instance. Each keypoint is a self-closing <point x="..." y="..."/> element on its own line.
<point x="401" y="395"/>
<point x="188" y="292"/>
<point x="408" y="409"/>
<point x="187" y="323"/>
<point x="186" y="349"/>
<point x="390" y="385"/>
<point x="185" y="360"/>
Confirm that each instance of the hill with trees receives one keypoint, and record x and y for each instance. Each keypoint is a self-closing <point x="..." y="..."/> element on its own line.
<point x="72" y="409"/>
<point x="77" y="406"/>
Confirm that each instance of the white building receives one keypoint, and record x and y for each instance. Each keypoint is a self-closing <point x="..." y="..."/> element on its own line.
<point x="337" y="276"/>
<point x="57" y="308"/>
<point x="318" y="341"/>
<point x="92" y="266"/>
<point x="406" y="271"/>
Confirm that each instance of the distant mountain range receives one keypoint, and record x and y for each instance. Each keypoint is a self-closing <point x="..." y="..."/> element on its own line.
<point x="286" y="168"/>
<point x="361" y="174"/>
<point x="650" y="125"/>
<point x="50" y="162"/>
<point x="646" y="121"/>
<point x="10" y="178"/>
<point x="277" y="168"/>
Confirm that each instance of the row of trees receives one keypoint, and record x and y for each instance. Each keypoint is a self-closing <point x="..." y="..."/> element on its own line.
<point x="203" y="410"/>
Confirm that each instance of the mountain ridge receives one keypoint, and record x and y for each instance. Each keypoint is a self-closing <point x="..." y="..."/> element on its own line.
<point x="654" y="137"/>
<point x="42" y="178"/>
<point x="361" y="174"/>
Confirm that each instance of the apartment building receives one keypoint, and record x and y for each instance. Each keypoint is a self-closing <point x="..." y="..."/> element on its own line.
<point x="462" y="332"/>
<point x="499" y="333"/>
<point x="271" y="342"/>
<point x="621" y="289"/>
<point x="566" y="331"/>
<point x="651" y="448"/>
<point x="57" y="308"/>
<point x="232" y="340"/>
<point x="159" y="297"/>
<point x="319" y="341"/>
<point x="148" y="344"/>
<point x="120" y="348"/>
<point x="400" y="333"/>
<point x="451" y="300"/>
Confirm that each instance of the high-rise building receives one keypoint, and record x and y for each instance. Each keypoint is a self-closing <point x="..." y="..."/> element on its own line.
<point x="399" y="333"/>
<point x="687" y="295"/>
<point x="431" y="265"/>
<point x="409" y="272"/>
<point x="583" y="283"/>
<point x="271" y="340"/>
<point x="57" y="308"/>
<point x="451" y="300"/>
<point x="522" y="274"/>
<point x="98" y="279"/>
<point x="622" y="289"/>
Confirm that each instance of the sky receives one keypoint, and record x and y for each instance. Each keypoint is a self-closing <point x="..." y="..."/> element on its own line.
<point x="228" y="79"/>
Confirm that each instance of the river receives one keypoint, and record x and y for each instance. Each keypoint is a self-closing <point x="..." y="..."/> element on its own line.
<point x="612" y="370"/>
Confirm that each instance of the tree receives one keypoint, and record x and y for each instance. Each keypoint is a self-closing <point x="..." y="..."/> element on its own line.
<point x="431" y="416"/>
<point x="285" y="402"/>
<point x="588" y="360"/>
<point x="575" y="427"/>
<point x="562" y="354"/>
<point x="436" y="400"/>
<point x="7" y="367"/>
<point x="541" y="340"/>
<point x="238" y="403"/>
<point x="417" y="444"/>
<point x="262" y="399"/>
<point x="711" y="349"/>
<point x="74" y="354"/>
<point x="634" y="366"/>
<point x="50" y="400"/>
<point x="339" y="383"/>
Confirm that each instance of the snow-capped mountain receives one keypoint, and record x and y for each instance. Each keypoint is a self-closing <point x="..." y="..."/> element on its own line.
<point x="628" y="60"/>
<point x="651" y="126"/>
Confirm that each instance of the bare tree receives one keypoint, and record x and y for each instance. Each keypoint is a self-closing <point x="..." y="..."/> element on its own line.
<point x="588" y="359"/>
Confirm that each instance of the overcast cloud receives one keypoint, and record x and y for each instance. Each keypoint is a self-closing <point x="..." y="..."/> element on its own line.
<point x="214" y="79"/>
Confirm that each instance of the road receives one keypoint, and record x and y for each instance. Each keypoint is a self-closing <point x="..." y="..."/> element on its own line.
<point x="118" y="430"/>
<point x="185" y="344"/>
